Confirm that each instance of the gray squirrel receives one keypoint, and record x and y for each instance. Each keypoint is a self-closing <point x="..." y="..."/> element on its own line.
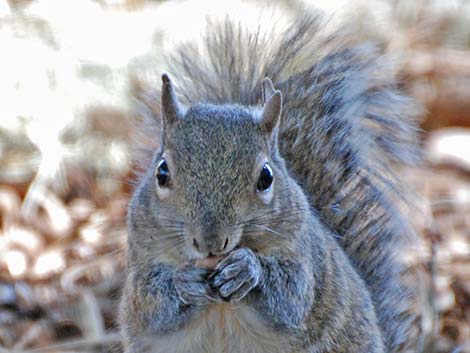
<point x="266" y="218"/>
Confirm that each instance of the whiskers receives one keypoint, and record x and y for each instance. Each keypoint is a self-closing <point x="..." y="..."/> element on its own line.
<point x="169" y="247"/>
<point x="168" y="237"/>
<point x="267" y="229"/>
<point x="274" y="222"/>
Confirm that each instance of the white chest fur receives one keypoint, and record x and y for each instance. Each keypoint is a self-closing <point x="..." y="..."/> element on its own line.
<point x="223" y="328"/>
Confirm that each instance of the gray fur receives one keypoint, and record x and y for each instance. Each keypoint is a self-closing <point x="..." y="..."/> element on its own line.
<point x="322" y="273"/>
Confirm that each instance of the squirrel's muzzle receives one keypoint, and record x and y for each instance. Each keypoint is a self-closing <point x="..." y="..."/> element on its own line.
<point x="209" y="241"/>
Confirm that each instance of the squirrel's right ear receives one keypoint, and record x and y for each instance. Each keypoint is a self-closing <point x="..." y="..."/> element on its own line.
<point x="268" y="89"/>
<point x="171" y="109"/>
<point x="272" y="106"/>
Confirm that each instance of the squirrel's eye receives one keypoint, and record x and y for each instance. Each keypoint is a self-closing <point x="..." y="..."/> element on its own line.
<point x="163" y="174"/>
<point x="265" y="179"/>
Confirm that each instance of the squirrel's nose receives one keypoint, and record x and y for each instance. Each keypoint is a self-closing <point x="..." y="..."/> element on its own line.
<point x="224" y="247"/>
<point x="213" y="245"/>
<point x="195" y="243"/>
<point x="217" y="244"/>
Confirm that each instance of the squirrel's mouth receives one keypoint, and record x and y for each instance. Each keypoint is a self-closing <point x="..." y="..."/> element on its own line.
<point x="209" y="262"/>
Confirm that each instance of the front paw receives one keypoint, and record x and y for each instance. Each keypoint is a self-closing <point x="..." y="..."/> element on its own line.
<point x="192" y="286"/>
<point x="237" y="275"/>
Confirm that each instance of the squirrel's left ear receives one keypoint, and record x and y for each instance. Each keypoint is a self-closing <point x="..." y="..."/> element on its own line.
<point x="272" y="107"/>
<point x="171" y="109"/>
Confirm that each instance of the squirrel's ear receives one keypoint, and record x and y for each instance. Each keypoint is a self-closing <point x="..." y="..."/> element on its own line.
<point x="171" y="110"/>
<point x="268" y="89"/>
<point x="272" y="108"/>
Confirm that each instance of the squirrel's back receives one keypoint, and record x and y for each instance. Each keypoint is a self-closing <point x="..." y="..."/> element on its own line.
<point x="344" y="127"/>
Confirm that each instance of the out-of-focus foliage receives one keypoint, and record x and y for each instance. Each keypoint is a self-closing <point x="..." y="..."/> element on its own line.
<point x="66" y="69"/>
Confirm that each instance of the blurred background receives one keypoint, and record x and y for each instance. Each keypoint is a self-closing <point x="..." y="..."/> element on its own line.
<point x="67" y="73"/>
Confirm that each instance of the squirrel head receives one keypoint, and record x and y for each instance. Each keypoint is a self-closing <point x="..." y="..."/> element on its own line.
<point x="218" y="179"/>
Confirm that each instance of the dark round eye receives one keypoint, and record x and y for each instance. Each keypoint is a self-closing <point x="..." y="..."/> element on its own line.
<point x="163" y="174"/>
<point x="265" y="179"/>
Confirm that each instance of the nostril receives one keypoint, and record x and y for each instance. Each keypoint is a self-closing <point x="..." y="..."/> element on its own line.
<point x="225" y="244"/>
<point x="195" y="243"/>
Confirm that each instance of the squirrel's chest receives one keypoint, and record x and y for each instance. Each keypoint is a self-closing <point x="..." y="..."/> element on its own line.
<point x="224" y="329"/>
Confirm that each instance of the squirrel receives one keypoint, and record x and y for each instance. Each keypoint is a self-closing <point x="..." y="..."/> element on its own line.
<point x="266" y="218"/>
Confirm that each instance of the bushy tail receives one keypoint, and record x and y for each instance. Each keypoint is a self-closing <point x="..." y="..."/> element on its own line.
<point x="345" y="126"/>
